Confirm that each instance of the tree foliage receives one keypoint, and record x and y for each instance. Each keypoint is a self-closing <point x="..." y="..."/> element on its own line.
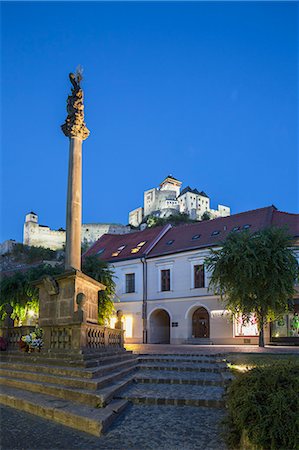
<point x="31" y="254"/>
<point x="100" y="271"/>
<point x="173" y="219"/>
<point x="17" y="290"/>
<point x="206" y="216"/>
<point x="255" y="273"/>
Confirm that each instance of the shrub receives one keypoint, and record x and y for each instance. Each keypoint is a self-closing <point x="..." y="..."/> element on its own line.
<point x="263" y="408"/>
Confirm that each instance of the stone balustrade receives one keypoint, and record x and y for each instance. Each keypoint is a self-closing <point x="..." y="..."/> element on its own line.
<point x="13" y="335"/>
<point x="72" y="337"/>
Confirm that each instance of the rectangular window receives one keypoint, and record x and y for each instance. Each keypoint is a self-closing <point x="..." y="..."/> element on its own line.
<point x="130" y="283"/>
<point x="199" y="276"/>
<point x="165" y="280"/>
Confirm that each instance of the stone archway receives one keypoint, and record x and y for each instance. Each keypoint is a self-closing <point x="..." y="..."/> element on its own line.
<point x="159" y="327"/>
<point x="200" y="323"/>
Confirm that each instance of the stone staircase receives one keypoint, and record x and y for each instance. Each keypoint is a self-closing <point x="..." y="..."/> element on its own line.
<point x="180" y="380"/>
<point x="74" y="390"/>
<point x="88" y="392"/>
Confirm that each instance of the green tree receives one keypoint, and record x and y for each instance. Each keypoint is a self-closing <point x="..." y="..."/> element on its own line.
<point x="173" y="219"/>
<point x="100" y="271"/>
<point x="17" y="290"/>
<point x="206" y="216"/>
<point x="255" y="273"/>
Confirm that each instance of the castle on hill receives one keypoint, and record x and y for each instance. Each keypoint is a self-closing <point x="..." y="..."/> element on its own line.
<point x="168" y="199"/>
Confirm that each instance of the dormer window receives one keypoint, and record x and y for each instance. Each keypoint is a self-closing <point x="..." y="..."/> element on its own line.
<point x="215" y="233"/>
<point x="195" y="237"/>
<point x="135" y="250"/>
<point x="100" y="251"/>
<point x="236" y="229"/>
<point x="245" y="227"/>
<point x="170" y="242"/>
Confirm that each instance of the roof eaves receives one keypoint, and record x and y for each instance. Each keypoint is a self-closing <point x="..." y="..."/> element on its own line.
<point x="189" y="249"/>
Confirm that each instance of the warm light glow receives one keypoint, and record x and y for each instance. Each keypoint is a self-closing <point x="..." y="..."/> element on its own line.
<point x="113" y="321"/>
<point x="128" y="326"/>
<point x="245" y="328"/>
<point x="115" y="254"/>
<point x="31" y="313"/>
<point x="141" y="244"/>
<point x="135" y="250"/>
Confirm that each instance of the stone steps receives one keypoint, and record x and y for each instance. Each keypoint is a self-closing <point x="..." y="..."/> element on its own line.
<point x="80" y="395"/>
<point x="183" y="367"/>
<point x="74" y="382"/>
<point x="181" y="359"/>
<point x="177" y="377"/>
<point x="62" y="390"/>
<point x="91" y="420"/>
<point x="179" y="395"/>
<point x="84" y="360"/>
<point x="70" y="371"/>
<point x="96" y="398"/>
<point x="185" y="380"/>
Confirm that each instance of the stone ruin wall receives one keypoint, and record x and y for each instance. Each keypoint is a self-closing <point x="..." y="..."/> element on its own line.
<point x="42" y="236"/>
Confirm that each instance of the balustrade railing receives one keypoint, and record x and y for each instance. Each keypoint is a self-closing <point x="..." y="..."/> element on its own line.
<point x="13" y="335"/>
<point x="70" y="337"/>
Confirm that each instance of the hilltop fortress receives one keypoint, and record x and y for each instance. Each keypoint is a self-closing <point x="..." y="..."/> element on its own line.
<point x="168" y="199"/>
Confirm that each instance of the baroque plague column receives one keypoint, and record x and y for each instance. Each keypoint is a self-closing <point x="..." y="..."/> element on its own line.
<point x="75" y="129"/>
<point x="68" y="302"/>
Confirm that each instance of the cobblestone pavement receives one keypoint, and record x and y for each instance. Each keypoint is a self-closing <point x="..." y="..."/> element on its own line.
<point x="208" y="349"/>
<point x="142" y="427"/>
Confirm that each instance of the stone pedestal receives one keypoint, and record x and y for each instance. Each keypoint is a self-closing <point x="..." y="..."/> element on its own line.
<point x="68" y="315"/>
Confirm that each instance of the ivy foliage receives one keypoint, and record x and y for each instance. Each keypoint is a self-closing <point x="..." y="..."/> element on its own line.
<point x="17" y="290"/>
<point x="263" y="406"/>
<point x="101" y="271"/>
<point x="255" y="273"/>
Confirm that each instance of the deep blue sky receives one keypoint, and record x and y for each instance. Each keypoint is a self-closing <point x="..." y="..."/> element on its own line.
<point x="206" y="92"/>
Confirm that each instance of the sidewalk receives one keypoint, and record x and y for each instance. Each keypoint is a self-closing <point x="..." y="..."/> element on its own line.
<point x="209" y="349"/>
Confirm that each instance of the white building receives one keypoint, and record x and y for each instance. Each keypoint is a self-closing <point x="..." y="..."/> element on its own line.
<point x="168" y="199"/>
<point x="43" y="236"/>
<point x="162" y="283"/>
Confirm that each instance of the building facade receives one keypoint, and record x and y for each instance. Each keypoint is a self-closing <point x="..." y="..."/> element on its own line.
<point x="163" y="284"/>
<point x="168" y="199"/>
<point x="43" y="236"/>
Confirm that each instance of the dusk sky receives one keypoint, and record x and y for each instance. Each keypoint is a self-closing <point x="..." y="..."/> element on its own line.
<point x="204" y="91"/>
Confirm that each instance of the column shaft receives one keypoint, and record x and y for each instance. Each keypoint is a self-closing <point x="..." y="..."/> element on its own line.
<point x="74" y="206"/>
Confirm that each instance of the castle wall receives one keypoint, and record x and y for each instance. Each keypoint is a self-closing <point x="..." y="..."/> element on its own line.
<point x="42" y="236"/>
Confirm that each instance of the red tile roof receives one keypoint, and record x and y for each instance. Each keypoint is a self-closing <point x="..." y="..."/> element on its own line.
<point x="291" y="221"/>
<point x="158" y="240"/>
<point x="111" y="243"/>
<point x="257" y="219"/>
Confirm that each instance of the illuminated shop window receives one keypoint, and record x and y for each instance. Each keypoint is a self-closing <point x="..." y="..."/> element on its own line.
<point x="286" y="326"/>
<point x="244" y="327"/>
